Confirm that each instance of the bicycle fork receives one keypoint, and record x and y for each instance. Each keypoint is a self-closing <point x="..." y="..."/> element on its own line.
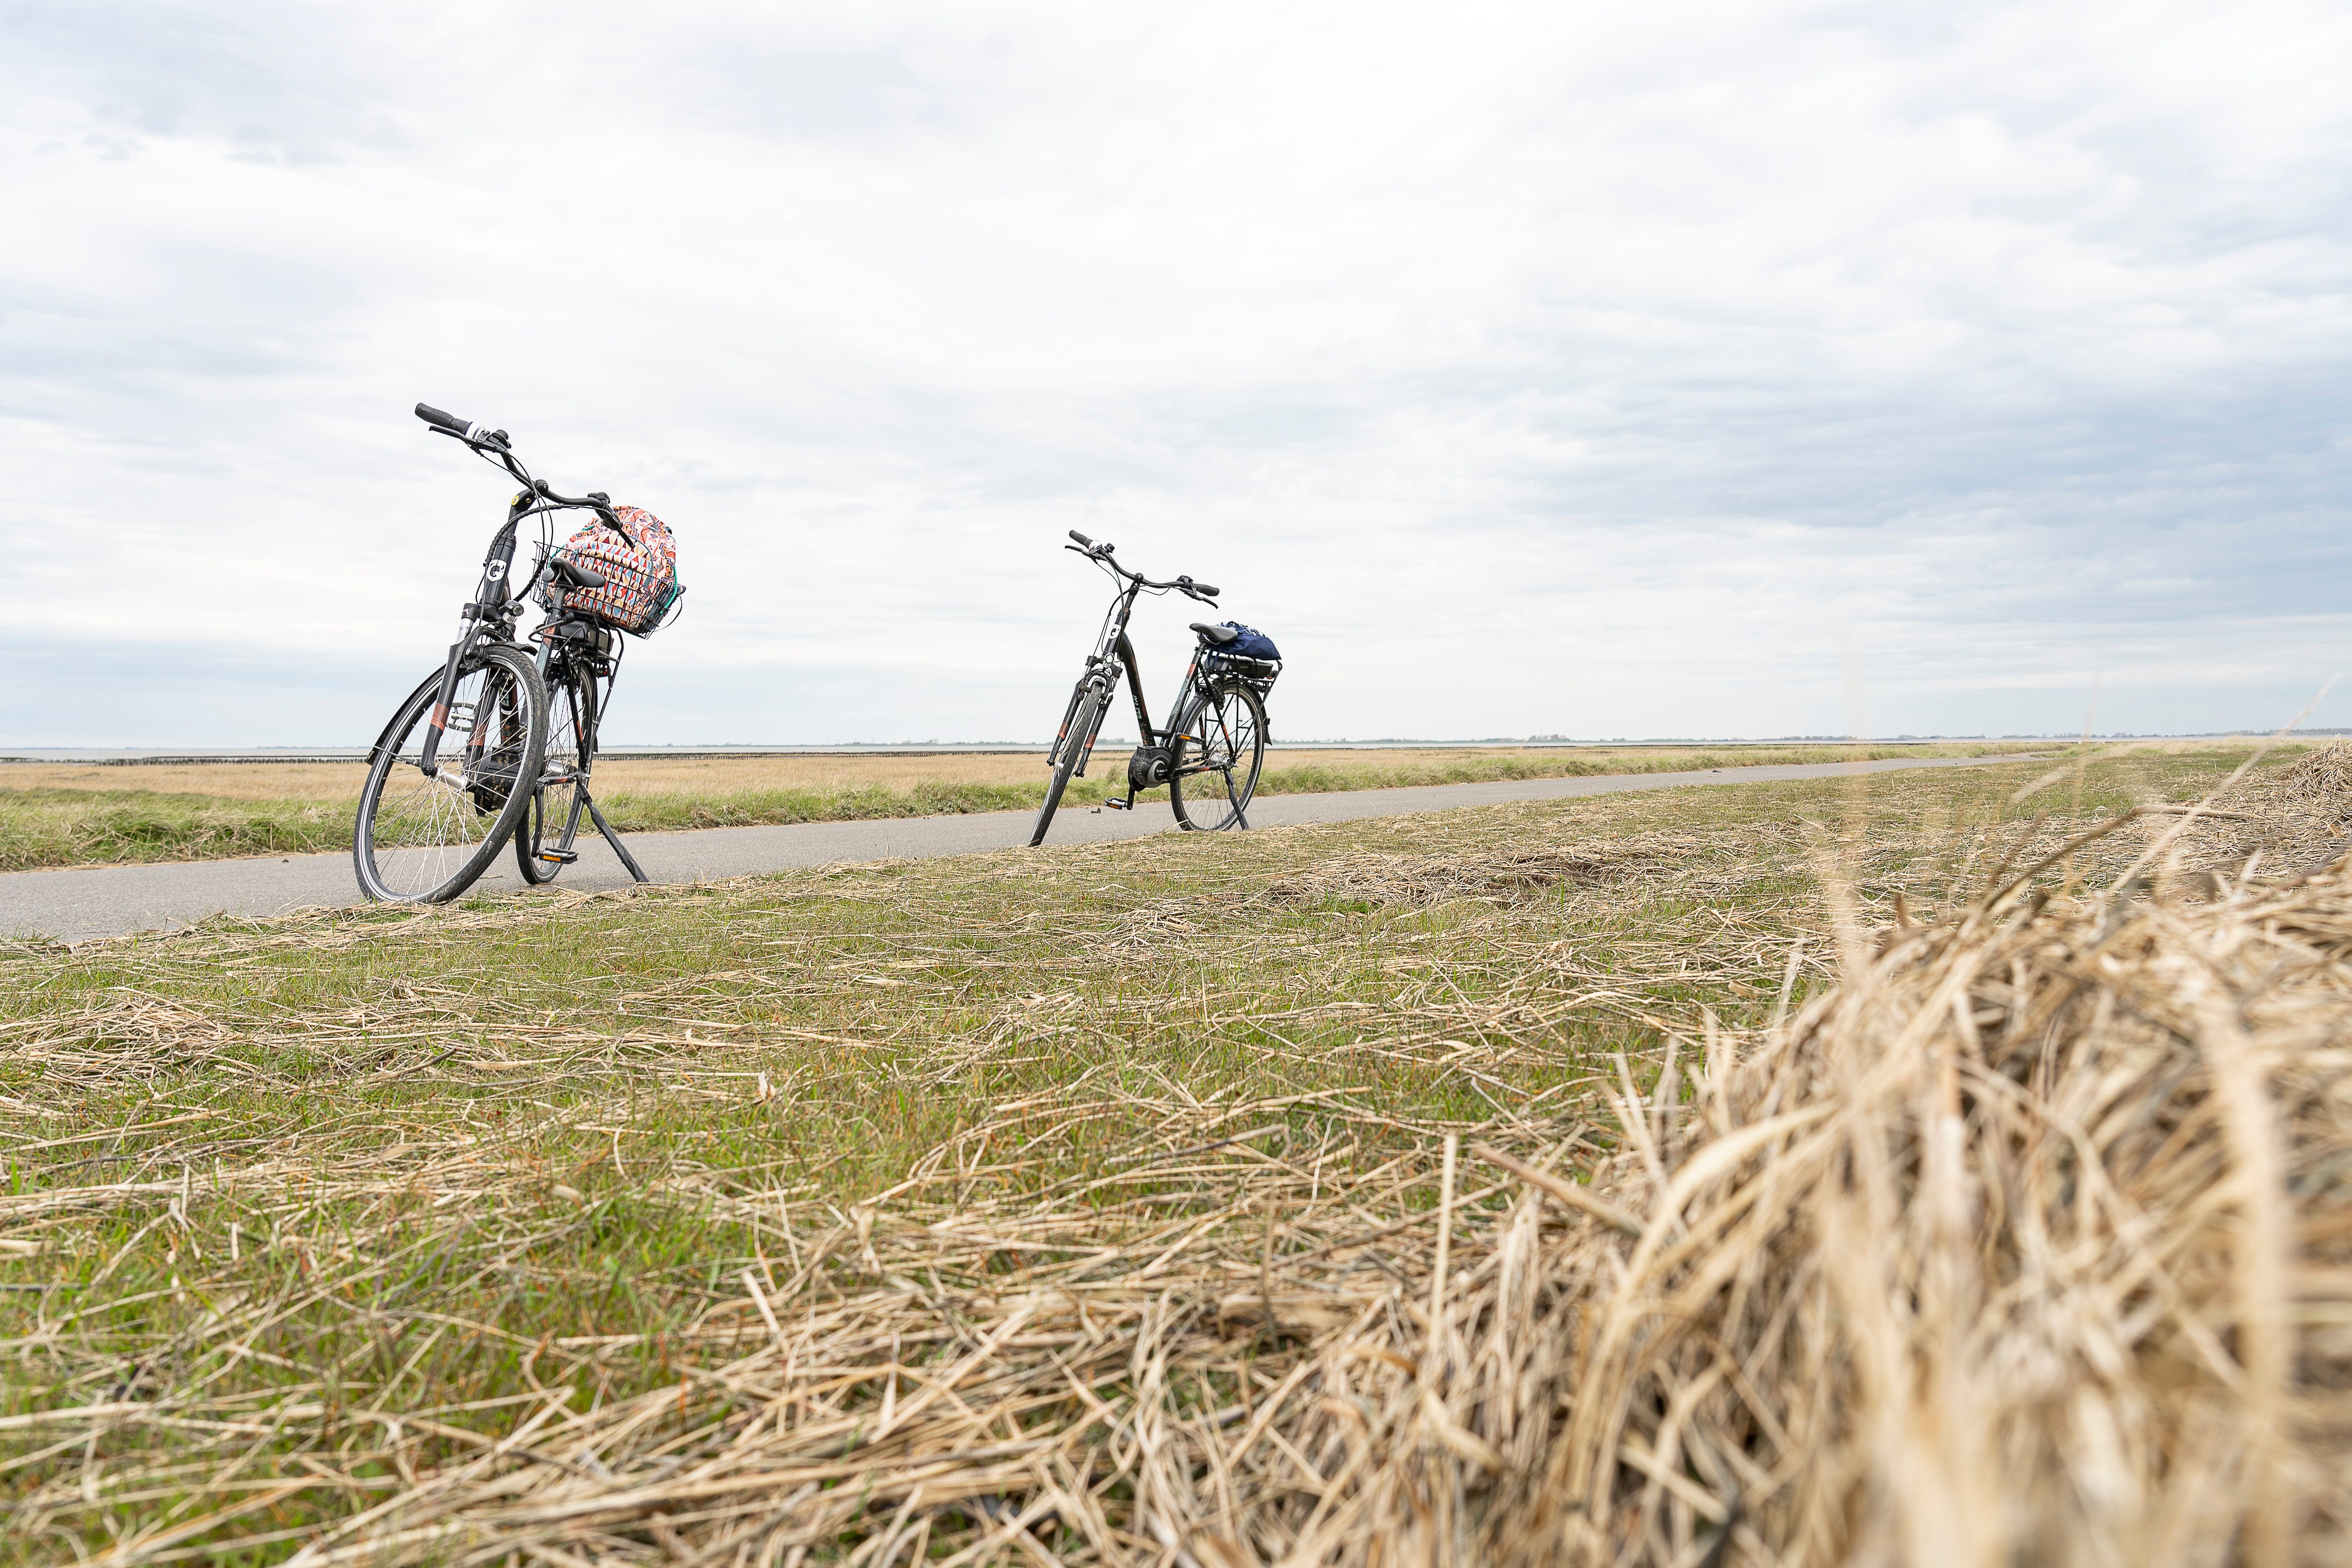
<point x="490" y="596"/>
<point x="430" y="761"/>
<point x="476" y="738"/>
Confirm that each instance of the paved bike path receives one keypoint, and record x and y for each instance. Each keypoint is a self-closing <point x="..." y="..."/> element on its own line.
<point x="116" y="901"/>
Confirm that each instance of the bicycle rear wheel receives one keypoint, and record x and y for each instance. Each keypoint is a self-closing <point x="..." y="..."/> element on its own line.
<point x="426" y="840"/>
<point x="1077" y="739"/>
<point x="551" y="821"/>
<point x="1216" y="758"/>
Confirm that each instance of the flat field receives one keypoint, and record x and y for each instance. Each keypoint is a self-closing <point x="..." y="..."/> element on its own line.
<point x="700" y="1224"/>
<point x="70" y="814"/>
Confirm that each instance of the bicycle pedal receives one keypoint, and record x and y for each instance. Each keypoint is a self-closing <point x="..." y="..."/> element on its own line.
<point x="1118" y="806"/>
<point x="558" y="856"/>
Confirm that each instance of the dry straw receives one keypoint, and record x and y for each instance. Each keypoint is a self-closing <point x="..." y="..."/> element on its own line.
<point x="2029" y="1243"/>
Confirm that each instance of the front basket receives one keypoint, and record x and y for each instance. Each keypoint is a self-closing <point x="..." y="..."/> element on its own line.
<point x="664" y="613"/>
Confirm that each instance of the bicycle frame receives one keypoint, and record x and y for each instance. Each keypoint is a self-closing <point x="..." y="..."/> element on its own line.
<point x="495" y="605"/>
<point x="1158" y="756"/>
<point x="491" y="616"/>
<point x="1114" y="654"/>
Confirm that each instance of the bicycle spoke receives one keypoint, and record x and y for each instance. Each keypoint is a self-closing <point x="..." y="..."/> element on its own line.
<point x="1223" y="735"/>
<point x="552" y="823"/>
<point x="428" y="838"/>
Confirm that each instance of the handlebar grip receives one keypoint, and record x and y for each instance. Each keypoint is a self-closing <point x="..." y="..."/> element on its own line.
<point x="1205" y="590"/>
<point x="449" y="422"/>
<point x="1082" y="538"/>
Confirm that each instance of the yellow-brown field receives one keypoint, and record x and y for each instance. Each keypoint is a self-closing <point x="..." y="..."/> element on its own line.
<point x="733" y="775"/>
<point x="685" y="775"/>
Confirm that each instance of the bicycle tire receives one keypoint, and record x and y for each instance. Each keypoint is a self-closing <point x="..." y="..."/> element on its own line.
<point x="1221" y="735"/>
<point x="1085" y="713"/>
<point x="426" y="841"/>
<point x="570" y="745"/>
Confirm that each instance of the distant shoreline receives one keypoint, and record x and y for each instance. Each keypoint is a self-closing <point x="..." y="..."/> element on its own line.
<point x="135" y="756"/>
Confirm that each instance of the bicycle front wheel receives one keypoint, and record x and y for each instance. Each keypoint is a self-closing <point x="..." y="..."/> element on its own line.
<point x="1216" y="758"/>
<point x="1077" y="739"/>
<point x="552" y="822"/>
<point x="426" y="840"/>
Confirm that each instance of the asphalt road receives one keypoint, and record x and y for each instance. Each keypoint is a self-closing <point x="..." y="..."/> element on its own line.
<point x="117" y="900"/>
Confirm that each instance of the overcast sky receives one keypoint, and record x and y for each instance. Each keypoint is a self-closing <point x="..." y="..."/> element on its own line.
<point x="1582" y="369"/>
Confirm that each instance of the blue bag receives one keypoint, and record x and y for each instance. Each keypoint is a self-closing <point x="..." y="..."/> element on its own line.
<point x="1250" y="643"/>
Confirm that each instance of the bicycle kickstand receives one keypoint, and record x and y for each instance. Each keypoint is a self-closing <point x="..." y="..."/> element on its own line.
<point x="613" y="838"/>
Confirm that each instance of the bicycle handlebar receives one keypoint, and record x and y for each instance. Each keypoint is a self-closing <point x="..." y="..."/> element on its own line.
<point x="595" y="500"/>
<point x="464" y="430"/>
<point x="496" y="442"/>
<point x="1100" y="555"/>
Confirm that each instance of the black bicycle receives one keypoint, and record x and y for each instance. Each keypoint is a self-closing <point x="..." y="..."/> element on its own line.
<point x="500" y="743"/>
<point x="1214" y="746"/>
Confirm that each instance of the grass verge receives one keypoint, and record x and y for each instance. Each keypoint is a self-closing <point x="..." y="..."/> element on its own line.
<point x="420" y="1236"/>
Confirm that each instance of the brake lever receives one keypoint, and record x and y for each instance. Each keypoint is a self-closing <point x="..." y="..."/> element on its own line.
<point x="496" y="441"/>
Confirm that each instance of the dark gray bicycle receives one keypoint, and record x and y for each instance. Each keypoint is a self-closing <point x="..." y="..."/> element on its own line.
<point x="498" y="744"/>
<point x="1214" y="748"/>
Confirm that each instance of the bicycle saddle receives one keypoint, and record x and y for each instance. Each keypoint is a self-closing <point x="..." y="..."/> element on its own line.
<point x="577" y="575"/>
<point x="1215" y="637"/>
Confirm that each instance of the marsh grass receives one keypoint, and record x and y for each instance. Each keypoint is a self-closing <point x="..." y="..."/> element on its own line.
<point x="44" y="827"/>
<point x="1222" y="1196"/>
<point x="76" y="814"/>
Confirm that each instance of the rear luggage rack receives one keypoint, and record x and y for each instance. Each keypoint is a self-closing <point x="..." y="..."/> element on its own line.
<point x="1260" y="673"/>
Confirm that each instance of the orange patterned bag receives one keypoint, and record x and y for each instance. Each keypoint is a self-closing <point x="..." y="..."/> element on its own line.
<point x="639" y="564"/>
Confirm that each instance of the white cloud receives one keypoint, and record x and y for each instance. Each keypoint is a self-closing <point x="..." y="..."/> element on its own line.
<point x="1521" y="368"/>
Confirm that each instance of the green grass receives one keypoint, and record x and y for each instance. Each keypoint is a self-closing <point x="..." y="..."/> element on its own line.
<point x="43" y="828"/>
<point x="40" y="827"/>
<point x="379" y="1165"/>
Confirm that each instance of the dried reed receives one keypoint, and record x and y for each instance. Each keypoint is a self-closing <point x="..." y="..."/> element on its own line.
<point x="2030" y="1242"/>
<point x="2298" y="819"/>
